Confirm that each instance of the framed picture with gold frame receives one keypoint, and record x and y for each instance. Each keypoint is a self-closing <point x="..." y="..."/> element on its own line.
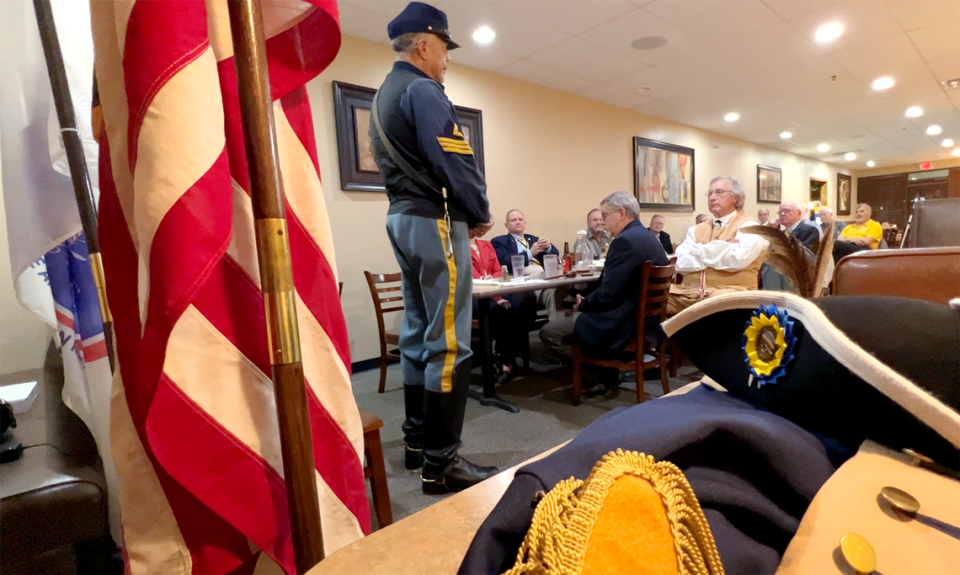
<point x="769" y="185"/>
<point x="844" y="194"/>
<point x="663" y="176"/>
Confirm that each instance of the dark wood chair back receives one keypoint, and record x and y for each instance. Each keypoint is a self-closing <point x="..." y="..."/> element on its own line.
<point x="387" y="298"/>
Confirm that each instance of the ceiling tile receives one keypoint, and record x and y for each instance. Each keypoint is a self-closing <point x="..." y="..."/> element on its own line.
<point x="770" y="48"/>
<point x="389" y="8"/>
<point x="862" y="20"/>
<point x="355" y="21"/>
<point x="588" y="60"/>
<point x="789" y="9"/>
<point x="482" y="57"/>
<point x="661" y="84"/>
<point x="619" y="34"/>
<point x="567" y="16"/>
<point x="536" y="73"/>
<point x="946" y="68"/>
<point x="914" y="14"/>
<point x="516" y="36"/>
<point x="875" y="58"/>
<point x="613" y="96"/>
<point x="717" y="20"/>
<point x="939" y="40"/>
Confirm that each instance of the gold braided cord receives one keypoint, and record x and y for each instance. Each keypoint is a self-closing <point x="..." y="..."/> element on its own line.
<point x="557" y="540"/>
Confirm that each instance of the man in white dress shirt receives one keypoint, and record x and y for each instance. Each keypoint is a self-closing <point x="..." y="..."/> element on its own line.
<point x="715" y="257"/>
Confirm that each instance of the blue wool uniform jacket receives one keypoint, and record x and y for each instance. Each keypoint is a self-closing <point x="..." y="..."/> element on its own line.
<point x="753" y="472"/>
<point x="609" y="319"/>
<point x="508" y="246"/>
<point x="422" y="124"/>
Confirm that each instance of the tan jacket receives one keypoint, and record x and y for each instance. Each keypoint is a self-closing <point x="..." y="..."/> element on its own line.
<point x="706" y="282"/>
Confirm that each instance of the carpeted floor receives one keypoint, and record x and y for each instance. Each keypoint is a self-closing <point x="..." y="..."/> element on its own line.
<point x="492" y="436"/>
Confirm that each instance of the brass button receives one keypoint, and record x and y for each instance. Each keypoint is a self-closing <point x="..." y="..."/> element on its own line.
<point x="858" y="552"/>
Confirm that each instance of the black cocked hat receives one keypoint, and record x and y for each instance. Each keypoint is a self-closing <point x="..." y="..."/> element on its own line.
<point x="848" y="368"/>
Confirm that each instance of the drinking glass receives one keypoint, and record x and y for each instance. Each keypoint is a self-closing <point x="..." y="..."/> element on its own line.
<point x="550" y="266"/>
<point x="516" y="264"/>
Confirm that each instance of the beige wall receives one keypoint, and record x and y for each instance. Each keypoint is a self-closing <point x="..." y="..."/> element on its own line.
<point x="23" y="335"/>
<point x="551" y="154"/>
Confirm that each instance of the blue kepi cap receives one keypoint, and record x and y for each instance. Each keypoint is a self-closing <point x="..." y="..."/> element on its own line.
<point x="420" y="17"/>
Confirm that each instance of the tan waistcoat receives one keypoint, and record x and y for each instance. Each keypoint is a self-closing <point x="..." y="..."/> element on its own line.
<point x="710" y="280"/>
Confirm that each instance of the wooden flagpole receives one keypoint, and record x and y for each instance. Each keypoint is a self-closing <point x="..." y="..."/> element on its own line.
<point x="75" y="157"/>
<point x="276" y="279"/>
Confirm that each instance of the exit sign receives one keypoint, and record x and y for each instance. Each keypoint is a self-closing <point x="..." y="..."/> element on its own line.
<point x="926" y="165"/>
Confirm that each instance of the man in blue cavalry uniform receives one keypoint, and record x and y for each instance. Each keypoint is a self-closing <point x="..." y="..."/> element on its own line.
<point x="437" y="200"/>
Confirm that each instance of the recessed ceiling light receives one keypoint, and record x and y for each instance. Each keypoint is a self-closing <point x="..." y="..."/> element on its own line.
<point x="933" y="130"/>
<point x="732" y="117"/>
<point x="823" y="147"/>
<point x="947" y="143"/>
<point x="829" y="32"/>
<point x="883" y="83"/>
<point x="849" y="156"/>
<point x="786" y="135"/>
<point x="956" y="151"/>
<point x="913" y="112"/>
<point x="484" y="35"/>
<point x="871" y="163"/>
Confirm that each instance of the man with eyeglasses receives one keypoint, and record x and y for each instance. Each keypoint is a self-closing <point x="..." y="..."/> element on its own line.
<point x="715" y="257"/>
<point x="604" y="322"/>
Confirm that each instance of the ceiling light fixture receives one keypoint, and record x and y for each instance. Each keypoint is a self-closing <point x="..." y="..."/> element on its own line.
<point x="732" y="117"/>
<point x="871" y="163"/>
<point x="829" y="32"/>
<point x="823" y="147"/>
<point x="913" y="112"/>
<point x="786" y="135"/>
<point x="933" y="130"/>
<point x="484" y="35"/>
<point x="649" y="43"/>
<point x="956" y="151"/>
<point x="849" y="156"/>
<point x="947" y="143"/>
<point x="883" y="83"/>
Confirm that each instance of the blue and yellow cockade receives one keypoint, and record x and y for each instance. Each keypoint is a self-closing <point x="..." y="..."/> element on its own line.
<point x="768" y="342"/>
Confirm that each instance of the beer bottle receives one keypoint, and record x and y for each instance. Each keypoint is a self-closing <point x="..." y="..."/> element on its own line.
<point x="567" y="259"/>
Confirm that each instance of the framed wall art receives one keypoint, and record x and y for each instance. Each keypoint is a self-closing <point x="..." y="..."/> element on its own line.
<point x="844" y="194"/>
<point x="358" y="170"/>
<point x="818" y="191"/>
<point x="663" y="176"/>
<point x="769" y="188"/>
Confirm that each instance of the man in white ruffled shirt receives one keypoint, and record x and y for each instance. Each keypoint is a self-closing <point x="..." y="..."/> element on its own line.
<point x="715" y="257"/>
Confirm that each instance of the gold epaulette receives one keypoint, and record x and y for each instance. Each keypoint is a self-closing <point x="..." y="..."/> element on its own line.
<point x="632" y="515"/>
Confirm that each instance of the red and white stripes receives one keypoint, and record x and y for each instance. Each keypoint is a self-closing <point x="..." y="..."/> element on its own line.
<point x="194" y="415"/>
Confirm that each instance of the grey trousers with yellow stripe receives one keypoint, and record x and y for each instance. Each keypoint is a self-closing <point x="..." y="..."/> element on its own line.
<point x="435" y="335"/>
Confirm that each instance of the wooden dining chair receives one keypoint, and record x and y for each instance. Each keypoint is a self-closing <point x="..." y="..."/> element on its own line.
<point x="651" y="302"/>
<point x="387" y="298"/>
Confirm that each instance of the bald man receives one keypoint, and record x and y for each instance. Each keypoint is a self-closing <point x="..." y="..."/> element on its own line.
<point x="790" y="216"/>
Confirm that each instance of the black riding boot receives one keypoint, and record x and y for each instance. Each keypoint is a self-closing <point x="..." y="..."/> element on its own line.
<point x="443" y="470"/>
<point x="413" y="427"/>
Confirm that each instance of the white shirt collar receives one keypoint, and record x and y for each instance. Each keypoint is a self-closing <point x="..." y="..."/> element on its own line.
<point x="724" y="220"/>
<point x="794" y="226"/>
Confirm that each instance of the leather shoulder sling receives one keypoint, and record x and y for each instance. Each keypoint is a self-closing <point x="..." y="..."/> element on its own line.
<point x="407" y="169"/>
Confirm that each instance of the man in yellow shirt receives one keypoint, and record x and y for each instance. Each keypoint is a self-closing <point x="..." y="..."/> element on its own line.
<point x="863" y="234"/>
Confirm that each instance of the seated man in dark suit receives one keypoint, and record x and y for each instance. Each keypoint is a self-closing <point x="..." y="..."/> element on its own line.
<point x="515" y="243"/>
<point x="604" y="322"/>
<point x="791" y="218"/>
<point x="656" y="228"/>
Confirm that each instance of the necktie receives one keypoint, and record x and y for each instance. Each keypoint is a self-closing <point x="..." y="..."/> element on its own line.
<point x="526" y="246"/>
<point x="717" y="223"/>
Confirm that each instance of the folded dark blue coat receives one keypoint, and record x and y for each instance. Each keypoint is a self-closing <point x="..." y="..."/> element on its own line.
<point x="754" y="473"/>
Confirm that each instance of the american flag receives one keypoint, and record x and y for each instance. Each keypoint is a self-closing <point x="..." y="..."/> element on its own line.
<point x="194" y="425"/>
